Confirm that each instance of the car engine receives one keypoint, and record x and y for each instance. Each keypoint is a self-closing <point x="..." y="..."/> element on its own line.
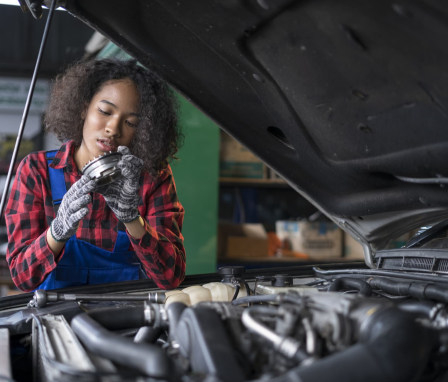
<point x="334" y="325"/>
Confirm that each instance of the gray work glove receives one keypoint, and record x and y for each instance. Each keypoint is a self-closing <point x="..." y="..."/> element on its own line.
<point x="122" y="195"/>
<point x="72" y="209"/>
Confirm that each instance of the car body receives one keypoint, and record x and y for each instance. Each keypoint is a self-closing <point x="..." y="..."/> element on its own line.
<point x="347" y="101"/>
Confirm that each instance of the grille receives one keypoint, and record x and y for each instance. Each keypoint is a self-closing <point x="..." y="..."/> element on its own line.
<point x="443" y="266"/>
<point x="411" y="263"/>
<point x="418" y="263"/>
<point x="428" y="264"/>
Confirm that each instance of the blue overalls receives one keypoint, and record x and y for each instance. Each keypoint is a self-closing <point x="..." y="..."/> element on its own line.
<point x="82" y="262"/>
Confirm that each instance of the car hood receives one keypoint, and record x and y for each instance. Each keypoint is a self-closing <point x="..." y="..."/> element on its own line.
<point x="346" y="100"/>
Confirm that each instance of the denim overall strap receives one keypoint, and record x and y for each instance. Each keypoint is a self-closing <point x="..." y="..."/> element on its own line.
<point x="57" y="181"/>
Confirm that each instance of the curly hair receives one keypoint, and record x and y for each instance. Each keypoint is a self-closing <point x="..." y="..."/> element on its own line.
<point x="157" y="138"/>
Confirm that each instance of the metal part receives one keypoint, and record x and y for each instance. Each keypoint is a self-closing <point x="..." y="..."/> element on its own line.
<point x="104" y="168"/>
<point x="311" y="336"/>
<point x="35" y="6"/>
<point x="302" y="290"/>
<point x="287" y="346"/>
<point x="5" y="361"/>
<point x="42" y="297"/>
<point x="58" y="354"/>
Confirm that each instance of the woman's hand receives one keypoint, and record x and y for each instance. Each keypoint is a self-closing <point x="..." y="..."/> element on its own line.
<point x="122" y="195"/>
<point x="72" y="209"/>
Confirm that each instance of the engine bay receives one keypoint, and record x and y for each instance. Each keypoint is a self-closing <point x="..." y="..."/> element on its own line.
<point x="343" y="325"/>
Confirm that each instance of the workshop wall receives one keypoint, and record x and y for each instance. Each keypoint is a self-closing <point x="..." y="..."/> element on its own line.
<point x="196" y="174"/>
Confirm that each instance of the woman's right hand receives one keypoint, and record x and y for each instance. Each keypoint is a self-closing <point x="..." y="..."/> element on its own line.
<point x="72" y="209"/>
<point x="122" y="196"/>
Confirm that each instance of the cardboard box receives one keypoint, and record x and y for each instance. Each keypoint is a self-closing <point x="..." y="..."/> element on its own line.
<point x="319" y="240"/>
<point x="243" y="247"/>
<point x="242" y="240"/>
<point x="236" y="161"/>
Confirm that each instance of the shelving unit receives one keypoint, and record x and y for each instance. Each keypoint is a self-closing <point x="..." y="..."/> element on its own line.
<point x="252" y="199"/>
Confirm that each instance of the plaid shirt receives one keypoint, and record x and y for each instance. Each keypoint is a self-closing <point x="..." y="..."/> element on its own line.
<point x="30" y="211"/>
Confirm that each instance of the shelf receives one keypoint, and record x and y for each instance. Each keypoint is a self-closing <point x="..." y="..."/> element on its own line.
<point x="253" y="182"/>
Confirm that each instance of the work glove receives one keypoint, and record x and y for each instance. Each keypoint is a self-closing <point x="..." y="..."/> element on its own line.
<point x="72" y="209"/>
<point x="122" y="195"/>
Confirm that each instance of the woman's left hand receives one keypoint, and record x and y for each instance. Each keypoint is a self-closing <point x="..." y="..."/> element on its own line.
<point x="122" y="195"/>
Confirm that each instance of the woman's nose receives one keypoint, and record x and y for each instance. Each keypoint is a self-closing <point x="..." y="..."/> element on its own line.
<point x="113" y="127"/>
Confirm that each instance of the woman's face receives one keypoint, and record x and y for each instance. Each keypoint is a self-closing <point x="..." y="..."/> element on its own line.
<point x="110" y="120"/>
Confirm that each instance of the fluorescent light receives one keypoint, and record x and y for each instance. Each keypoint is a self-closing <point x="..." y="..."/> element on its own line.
<point x="10" y="2"/>
<point x="16" y="2"/>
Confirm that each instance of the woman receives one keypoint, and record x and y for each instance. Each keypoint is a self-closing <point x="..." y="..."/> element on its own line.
<point x="124" y="231"/>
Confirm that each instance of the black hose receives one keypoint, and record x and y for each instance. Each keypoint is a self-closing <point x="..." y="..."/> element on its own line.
<point x="394" y="347"/>
<point x="147" y="334"/>
<point x="237" y="290"/>
<point x="149" y="359"/>
<point x="365" y="273"/>
<point x="119" y="318"/>
<point x="351" y="283"/>
<point x="420" y="290"/>
<point x="419" y="308"/>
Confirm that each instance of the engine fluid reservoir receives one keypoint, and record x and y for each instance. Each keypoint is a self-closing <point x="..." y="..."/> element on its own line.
<point x="177" y="296"/>
<point x="223" y="292"/>
<point x="197" y="294"/>
<point x="215" y="291"/>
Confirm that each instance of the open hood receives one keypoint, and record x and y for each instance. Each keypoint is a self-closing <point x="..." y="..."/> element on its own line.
<point x="346" y="100"/>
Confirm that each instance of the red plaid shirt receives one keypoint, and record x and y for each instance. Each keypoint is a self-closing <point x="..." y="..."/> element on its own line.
<point x="30" y="211"/>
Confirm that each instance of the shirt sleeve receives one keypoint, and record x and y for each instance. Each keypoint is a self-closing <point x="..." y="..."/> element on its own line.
<point x="28" y="255"/>
<point x="161" y="249"/>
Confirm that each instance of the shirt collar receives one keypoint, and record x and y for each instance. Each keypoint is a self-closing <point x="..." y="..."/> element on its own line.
<point x="65" y="157"/>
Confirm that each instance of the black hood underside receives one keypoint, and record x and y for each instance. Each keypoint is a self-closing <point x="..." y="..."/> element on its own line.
<point x="347" y="100"/>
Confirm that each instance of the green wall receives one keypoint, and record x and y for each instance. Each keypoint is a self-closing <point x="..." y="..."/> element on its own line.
<point x="196" y="174"/>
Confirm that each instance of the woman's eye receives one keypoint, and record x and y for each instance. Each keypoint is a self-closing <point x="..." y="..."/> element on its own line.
<point x="103" y="111"/>
<point x="131" y="124"/>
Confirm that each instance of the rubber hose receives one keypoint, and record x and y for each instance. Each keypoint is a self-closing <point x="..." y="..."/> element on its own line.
<point x="147" y="358"/>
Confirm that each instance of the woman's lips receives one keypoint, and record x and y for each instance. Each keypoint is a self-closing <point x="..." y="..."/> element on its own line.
<point x="106" y="145"/>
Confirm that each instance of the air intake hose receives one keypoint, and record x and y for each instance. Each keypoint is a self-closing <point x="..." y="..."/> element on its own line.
<point x="149" y="359"/>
